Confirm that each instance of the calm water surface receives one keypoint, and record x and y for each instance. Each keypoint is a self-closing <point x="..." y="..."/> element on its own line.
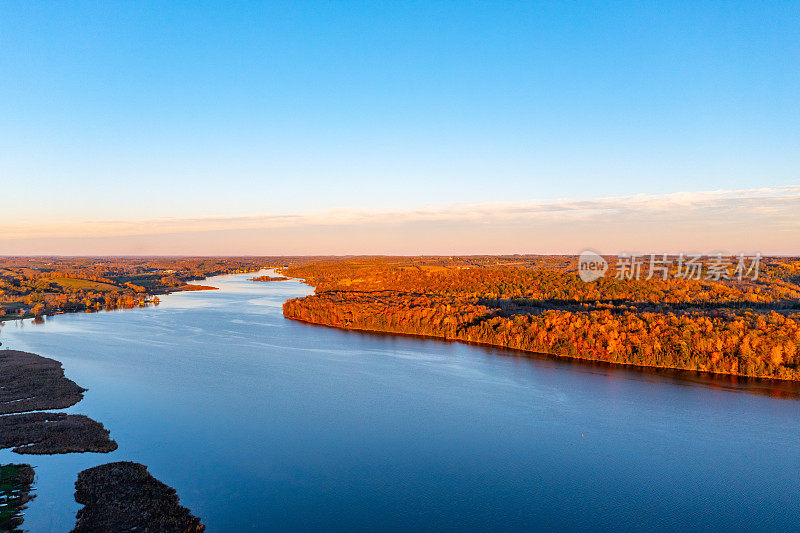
<point x="264" y="423"/>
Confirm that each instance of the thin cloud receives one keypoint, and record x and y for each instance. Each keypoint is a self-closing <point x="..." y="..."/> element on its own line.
<point x="770" y="202"/>
<point x="764" y="219"/>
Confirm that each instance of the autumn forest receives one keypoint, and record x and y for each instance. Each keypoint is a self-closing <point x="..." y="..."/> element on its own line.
<point x="538" y="304"/>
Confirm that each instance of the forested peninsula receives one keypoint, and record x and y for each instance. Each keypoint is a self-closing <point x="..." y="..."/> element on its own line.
<point x="743" y="327"/>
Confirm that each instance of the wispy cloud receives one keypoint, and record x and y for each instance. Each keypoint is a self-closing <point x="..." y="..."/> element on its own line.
<point x="629" y="222"/>
<point x="775" y="201"/>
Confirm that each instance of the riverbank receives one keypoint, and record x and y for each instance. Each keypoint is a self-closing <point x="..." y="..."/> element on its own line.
<point x="727" y="328"/>
<point x="553" y="334"/>
<point x="47" y="286"/>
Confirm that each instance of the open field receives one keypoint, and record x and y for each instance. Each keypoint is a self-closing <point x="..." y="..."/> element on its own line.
<point x="84" y="285"/>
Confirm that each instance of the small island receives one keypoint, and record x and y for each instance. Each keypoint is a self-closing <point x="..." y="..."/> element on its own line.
<point x="188" y="287"/>
<point x="54" y="433"/>
<point x="269" y="278"/>
<point x="124" y="496"/>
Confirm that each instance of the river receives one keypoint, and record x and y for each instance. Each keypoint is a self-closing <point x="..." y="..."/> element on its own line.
<point x="262" y="423"/>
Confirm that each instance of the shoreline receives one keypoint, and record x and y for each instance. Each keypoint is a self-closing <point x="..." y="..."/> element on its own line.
<point x="665" y="371"/>
<point x="671" y="371"/>
<point x="189" y="287"/>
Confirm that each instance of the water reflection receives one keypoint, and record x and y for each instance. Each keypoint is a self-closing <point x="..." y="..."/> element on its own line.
<point x="768" y="387"/>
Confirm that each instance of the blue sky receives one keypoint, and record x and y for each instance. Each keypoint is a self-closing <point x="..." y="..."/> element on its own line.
<point x="139" y="111"/>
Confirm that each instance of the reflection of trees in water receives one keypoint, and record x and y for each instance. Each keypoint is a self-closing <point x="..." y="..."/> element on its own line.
<point x="15" y="488"/>
<point x="539" y="304"/>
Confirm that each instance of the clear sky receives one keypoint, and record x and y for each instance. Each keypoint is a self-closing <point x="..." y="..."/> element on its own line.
<point x="132" y="113"/>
